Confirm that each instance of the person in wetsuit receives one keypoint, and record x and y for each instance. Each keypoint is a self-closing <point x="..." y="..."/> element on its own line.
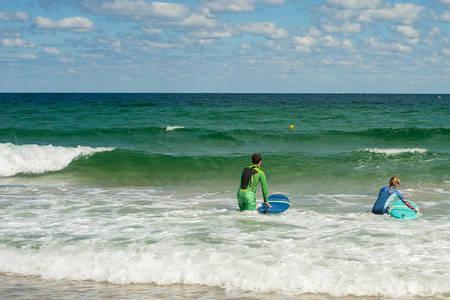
<point x="251" y="177"/>
<point x="382" y="204"/>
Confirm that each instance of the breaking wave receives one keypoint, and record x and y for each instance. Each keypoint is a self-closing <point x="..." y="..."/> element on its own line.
<point x="37" y="159"/>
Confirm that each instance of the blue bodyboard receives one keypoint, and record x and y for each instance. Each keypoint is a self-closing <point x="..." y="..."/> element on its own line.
<point x="398" y="210"/>
<point x="280" y="203"/>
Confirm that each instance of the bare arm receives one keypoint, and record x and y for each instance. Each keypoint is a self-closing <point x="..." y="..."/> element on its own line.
<point x="406" y="202"/>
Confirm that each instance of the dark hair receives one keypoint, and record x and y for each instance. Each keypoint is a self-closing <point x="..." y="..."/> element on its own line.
<point x="256" y="158"/>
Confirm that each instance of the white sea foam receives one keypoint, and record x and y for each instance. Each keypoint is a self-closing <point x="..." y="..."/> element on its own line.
<point x="395" y="151"/>
<point x="172" y="128"/>
<point x="441" y="191"/>
<point x="283" y="265"/>
<point x="150" y="236"/>
<point x="35" y="159"/>
<point x="296" y="273"/>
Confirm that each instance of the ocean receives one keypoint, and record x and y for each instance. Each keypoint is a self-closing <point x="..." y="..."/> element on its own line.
<point x="125" y="196"/>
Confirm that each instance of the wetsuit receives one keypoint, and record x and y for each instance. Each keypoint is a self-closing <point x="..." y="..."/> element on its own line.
<point x="246" y="196"/>
<point x="381" y="205"/>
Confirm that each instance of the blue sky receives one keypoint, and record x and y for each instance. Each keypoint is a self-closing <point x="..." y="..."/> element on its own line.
<point x="281" y="46"/>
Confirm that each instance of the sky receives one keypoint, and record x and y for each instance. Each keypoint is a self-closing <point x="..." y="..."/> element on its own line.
<point x="232" y="46"/>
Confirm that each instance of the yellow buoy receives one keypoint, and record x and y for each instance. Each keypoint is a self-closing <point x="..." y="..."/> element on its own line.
<point x="292" y="126"/>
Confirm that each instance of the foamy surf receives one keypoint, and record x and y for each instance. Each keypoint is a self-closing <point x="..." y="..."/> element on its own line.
<point x="395" y="151"/>
<point x="172" y="128"/>
<point x="37" y="159"/>
<point x="219" y="269"/>
<point x="151" y="236"/>
<point x="345" y="269"/>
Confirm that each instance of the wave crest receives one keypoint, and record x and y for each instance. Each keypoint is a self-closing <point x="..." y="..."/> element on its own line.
<point x="37" y="159"/>
<point x="395" y="151"/>
<point x="174" y="127"/>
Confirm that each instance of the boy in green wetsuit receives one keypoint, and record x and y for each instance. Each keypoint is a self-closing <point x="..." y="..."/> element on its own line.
<point x="251" y="176"/>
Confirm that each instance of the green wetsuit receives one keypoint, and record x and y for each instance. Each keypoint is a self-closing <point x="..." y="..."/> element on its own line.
<point x="247" y="197"/>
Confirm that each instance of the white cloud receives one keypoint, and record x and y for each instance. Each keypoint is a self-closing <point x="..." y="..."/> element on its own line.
<point x="399" y="12"/>
<point x="346" y="27"/>
<point x="407" y="31"/>
<point x="273" y="2"/>
<point x="305" y="41"/>
<point x="434" y="31"/>
<point x="327" y="61"/>
<point x="231" y="5"/>
<point x="205" y="42"/>
<point x="330" y="41"/>
<point x="434" y="58"/>
<point x="79" y="24"/>
<point x="348" y="44"/>
<point x="302" y="49"/>
<point x="52" y="51"/>
<point x="15" y="43"/>
<point x="13" y="16"/>
<point x="342" y="15"/>
<point x="267" y="29"/>
<point x="371" y="11"/>
<point x="388" y="47"/>
<point x="313" y="31"/>
<point x="273" y="45"/>
<point x="159" y="45"/>
<point x="238" y="6"/>
<point x="446" y="1"/>
<point x="446" y="51"/>
<point x="445" y="16"/>
<point x="198" y="20"/>
<point x="151" y="30"/>
<point x="168" y="10"/>
<point x="205" y="34"/>
<point x="116" y="44"/>
<point x="138" y="9"/>
<point x="355" y="4"/>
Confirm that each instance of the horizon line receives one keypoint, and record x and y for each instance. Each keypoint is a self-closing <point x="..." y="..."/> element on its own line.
<point x="235" y="93"/>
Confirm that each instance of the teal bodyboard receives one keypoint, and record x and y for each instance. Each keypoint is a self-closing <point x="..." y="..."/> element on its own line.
<point x="398" y="210"/>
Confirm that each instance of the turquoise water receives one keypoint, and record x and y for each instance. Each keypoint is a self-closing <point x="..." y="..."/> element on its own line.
<point x="140" y="188"/>
<point x="341" y="141"/>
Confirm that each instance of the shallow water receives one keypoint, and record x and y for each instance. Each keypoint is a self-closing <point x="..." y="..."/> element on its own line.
<point x="327" y="244"/>
<point x="19" y="287"/>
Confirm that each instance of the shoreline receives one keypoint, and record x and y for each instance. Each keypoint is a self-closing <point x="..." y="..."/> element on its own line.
<point x="25" y="287"/>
